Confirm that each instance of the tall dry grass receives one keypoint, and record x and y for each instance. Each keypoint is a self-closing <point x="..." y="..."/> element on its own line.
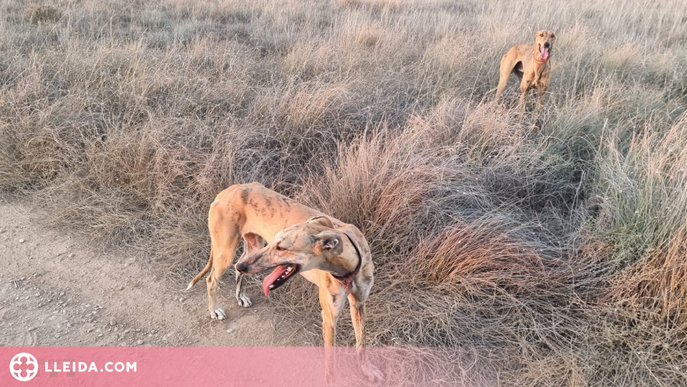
<point x="547" y="249"/>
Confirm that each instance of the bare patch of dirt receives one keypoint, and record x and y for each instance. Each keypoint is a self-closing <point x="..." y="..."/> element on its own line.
<point x="58" y="290"/>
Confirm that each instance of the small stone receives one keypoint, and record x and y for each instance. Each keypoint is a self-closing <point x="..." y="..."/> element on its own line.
<point x="139" y="342"/>
<point x="21" y="241"/>
<point x="70" y="255"/>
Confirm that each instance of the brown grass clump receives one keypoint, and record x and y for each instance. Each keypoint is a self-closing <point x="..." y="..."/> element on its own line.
<point x="659" y="281"/>
<point x="36" y="14"/>
<point x="651" y="219"/>
<point x="538" y="249"/>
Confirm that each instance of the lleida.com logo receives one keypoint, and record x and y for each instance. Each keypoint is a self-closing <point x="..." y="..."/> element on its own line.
<point x="24" y="367"/>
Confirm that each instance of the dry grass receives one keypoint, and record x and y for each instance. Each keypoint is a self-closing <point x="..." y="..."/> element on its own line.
<point x="41" y="14"/>
<point x="546" y="249"/>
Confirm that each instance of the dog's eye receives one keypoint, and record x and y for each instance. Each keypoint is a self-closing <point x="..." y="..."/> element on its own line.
<point x="541" y="35"/>
<point x="279" y="248"/>
<point x="553" y="36"/>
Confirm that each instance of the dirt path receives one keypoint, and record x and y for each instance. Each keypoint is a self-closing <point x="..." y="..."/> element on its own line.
<point x="58" y="290"/>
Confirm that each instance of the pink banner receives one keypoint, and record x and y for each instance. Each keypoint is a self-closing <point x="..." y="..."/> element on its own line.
<point x="205" y="366"/>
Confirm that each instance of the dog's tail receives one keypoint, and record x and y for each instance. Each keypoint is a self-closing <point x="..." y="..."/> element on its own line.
<point x="202" y="272"/>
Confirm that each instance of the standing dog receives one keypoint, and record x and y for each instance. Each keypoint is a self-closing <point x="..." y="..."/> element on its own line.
<point x="530" y="62"/>
<point x="329" y="253"/>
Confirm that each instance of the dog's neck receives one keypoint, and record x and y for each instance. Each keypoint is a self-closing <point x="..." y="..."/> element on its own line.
<point x="539" y="61"/>
<point x="348" y="278"/>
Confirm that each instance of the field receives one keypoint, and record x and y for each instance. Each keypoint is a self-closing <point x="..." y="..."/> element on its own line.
<point x="549" y="248"/>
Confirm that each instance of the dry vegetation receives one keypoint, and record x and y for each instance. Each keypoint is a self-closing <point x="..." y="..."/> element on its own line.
<point x="551" y="249"/>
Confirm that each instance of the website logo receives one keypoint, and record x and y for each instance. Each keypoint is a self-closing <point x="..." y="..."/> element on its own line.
<point x="23" y="367"/>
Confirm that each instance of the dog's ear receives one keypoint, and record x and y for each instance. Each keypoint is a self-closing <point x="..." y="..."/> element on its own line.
<point x="321" y="220"/>
<point x="328" y="241"/>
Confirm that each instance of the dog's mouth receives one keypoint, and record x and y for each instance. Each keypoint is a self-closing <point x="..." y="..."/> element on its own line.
<point x="543" y="52"/>
<point x="278" y="277"/>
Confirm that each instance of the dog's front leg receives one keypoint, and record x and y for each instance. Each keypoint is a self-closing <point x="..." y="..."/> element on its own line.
<point x="524" y="87"/>
<point x="241" y="296"/>
<point x="542" y="91"/>
<point x="331" y="303"/>
<point x="358" y="318"/>
<point x="251" y="244"/>
<point x="541" y="88"/>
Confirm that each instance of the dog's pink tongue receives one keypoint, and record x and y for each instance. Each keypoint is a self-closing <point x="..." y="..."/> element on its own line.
<point x="269" y="280"/>
<point x="544" y="53"/>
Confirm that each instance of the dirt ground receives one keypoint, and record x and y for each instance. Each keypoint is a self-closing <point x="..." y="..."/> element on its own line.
<point x="57" y="290"/>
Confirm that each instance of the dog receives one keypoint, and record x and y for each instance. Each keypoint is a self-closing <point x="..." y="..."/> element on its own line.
<point x="289" y="238"/>
<point x="530" y="62"/>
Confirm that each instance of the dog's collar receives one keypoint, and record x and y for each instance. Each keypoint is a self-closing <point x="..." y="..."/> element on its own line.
<point x="540" y="61"/>
<point x="348" y="278"/>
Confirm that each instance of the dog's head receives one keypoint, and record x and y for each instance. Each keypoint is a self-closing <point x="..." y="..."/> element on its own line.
<point x="543" y="42"/>
<point x="314" y="244"/>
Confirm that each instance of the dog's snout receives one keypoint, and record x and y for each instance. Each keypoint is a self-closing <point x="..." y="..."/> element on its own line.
<point x="242" y="267"/>
<point x="547" y="44"/>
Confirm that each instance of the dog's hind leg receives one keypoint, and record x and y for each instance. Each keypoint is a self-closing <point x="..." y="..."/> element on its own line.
<point x="503" y="81"/>
<point x="220" y="265"/>
<point x="505" y="70"/>
<point x="224" y="237"/>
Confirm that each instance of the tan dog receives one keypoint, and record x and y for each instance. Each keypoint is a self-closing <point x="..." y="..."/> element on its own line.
<point x="327" y="252"/>
<point x="530" y="62"/>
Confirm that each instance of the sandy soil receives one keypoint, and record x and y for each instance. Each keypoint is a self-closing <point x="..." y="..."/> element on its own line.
<point x="57" y="290"/>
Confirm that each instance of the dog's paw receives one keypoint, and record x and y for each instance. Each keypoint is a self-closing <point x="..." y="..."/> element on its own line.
<point x="218" y="314"/>
<point x="244" y="300"/>
<point x="373" y="373"/>
<point x="329" y="379"/>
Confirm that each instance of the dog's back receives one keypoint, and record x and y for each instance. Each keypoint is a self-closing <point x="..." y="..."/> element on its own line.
<point x="254" y="208"/>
